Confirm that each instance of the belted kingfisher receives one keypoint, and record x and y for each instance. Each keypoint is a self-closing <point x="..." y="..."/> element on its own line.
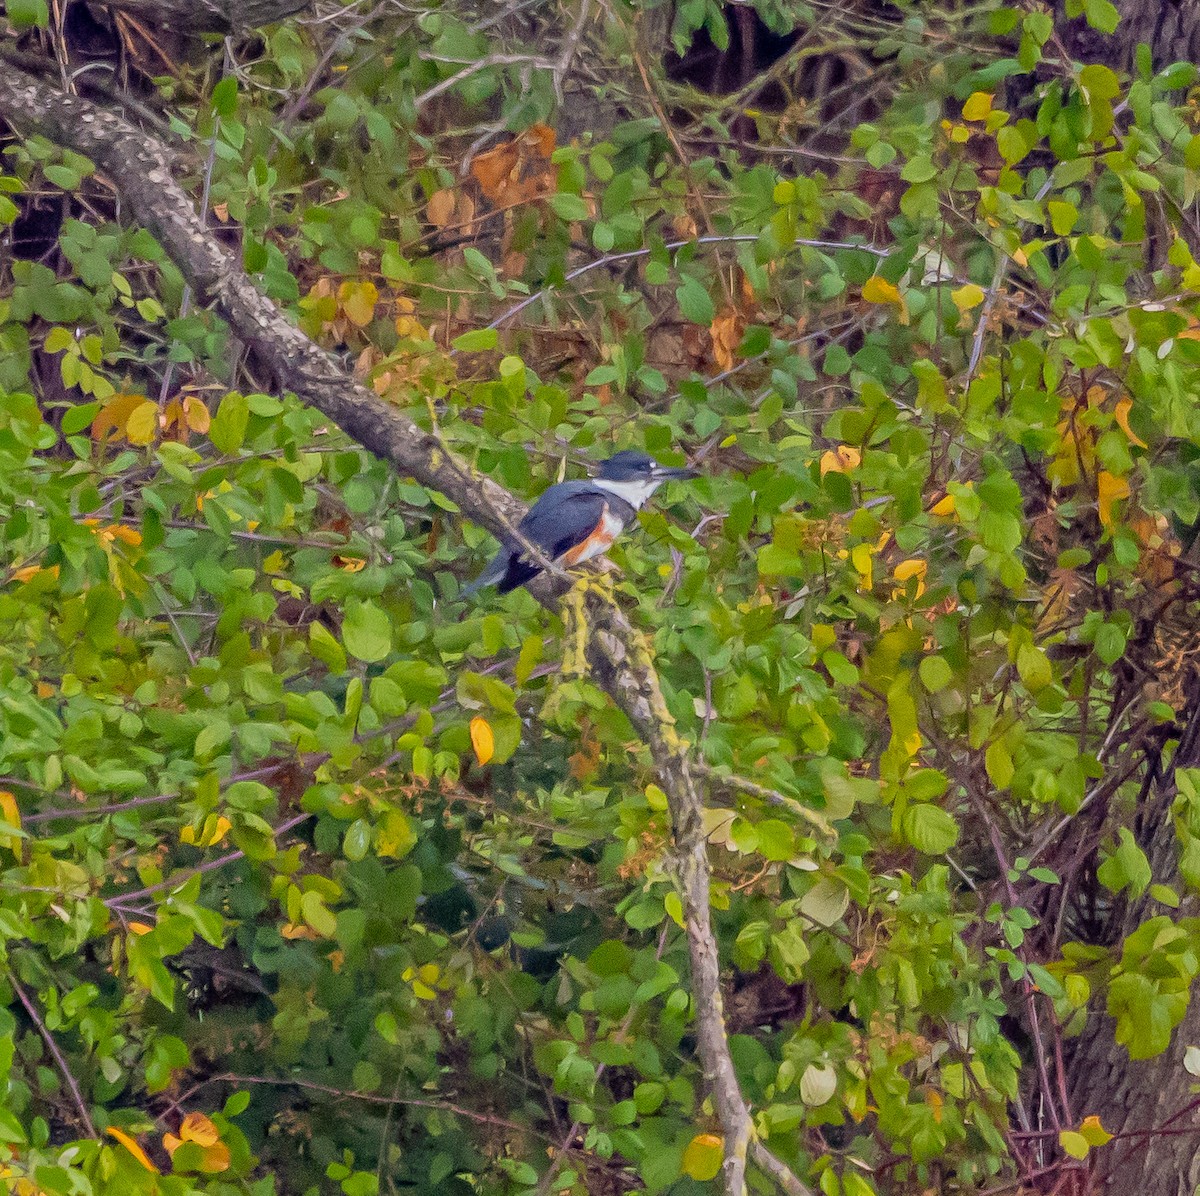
<point x="574" y="521"/>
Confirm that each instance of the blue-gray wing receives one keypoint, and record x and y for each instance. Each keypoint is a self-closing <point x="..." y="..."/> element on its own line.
<point x="565" y="515"/>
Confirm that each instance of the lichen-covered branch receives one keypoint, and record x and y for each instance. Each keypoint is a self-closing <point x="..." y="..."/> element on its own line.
<point x="143" y="169"/>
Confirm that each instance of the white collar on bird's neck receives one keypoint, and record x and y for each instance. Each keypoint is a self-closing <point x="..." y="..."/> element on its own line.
<point x="635" y="492"/>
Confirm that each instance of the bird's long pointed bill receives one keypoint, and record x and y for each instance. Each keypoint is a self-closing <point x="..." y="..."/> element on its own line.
<point x="669" y="473"/>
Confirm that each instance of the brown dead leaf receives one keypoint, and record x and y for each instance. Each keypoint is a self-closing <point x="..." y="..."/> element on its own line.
<point x="440" y="208"/>
<point x="726" y="333"/>
<point x="541" y="138"/>
<point x="494" y="169"/>
<point x="684" y="226"/>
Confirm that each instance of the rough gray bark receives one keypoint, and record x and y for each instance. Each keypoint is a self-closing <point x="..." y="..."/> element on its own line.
<point x="143" y="170"/>
<point x="1171" y="28"/>
<point x="1132" y="1096"/>
<point x="209" y="16"/>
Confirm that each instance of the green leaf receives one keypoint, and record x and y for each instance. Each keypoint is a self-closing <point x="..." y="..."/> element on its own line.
<point x="23" y="14"/>
<point x="1102" y="15"/>
<point x="366" y="631"/>
<point x="1127" y="866"/>
<point x="479" y="340"/>
<point x="695" y="302"/>
<point x="224" y="96"/>
<point x="929" y="829"/>
<point x="1110" y="643"/>
<point x="935" y="673"/>
<point x="1074" y="1144"/>
<point x="228" y="428"/>
<point x="569" y="207"/>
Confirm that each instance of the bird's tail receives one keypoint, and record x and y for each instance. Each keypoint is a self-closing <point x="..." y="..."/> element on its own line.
<point x="492" y="574"/>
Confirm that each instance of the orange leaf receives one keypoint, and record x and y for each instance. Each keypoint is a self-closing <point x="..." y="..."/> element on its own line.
<point x="1121" y="415"/>
<point x="542" y="138"/>
<point x="1109" y="489"/>
<point x="112" y="416"/>
<point x="726" y="334"/>
<point x="199" y="1129"/>
<point x="493" y="169"/>
<point x="842" y="459"/>
<point x="132" y="1146"/>
<point x="216" y="1158"/>
<point x="440" y="208"/>
<point x="482" y="740"/>
<point x="8" y="808"/>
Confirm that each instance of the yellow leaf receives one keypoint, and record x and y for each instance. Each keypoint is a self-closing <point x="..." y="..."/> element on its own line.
<point x="944" y="506"/>
<point x="1094" y="1132"/>
<point x="394" y="836"/>
<point x="8" y="808"/>
<point x="967" y="297"/>
<point x="910" y="568"/>
<point x="440" y="208"/>
<point x="197" y="414"/>
<point x="216" y="1158"/>
<point x="1121" y="415"/>
<point x="216" y="827"/>
<point x="860" y="558"/>
<point x="842" y="459"/>
<point x="879" y="290"/>
<point x="1109" y="489"/>
<point x="978" y="105"/>
<point x="1075" y="1144"/>
<point x="482" y="740"/>
<point x="187" y="834"/>
<point x="358" y="301"/>
<point x="142" y="425"/>
<point x="114" y="414"/>
<point x="132" y="1146"/>
<point x="199" y="1129"/>
<point x="703" y="1156"/>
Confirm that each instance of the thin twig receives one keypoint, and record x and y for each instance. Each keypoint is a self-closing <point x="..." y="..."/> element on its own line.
<point x="59" y="1058"/>
<point x="629" y="255"/>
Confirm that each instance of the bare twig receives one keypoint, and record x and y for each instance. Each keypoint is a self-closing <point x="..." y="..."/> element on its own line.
<point x="772" y="796"/>
<point x="59" y="1058"/>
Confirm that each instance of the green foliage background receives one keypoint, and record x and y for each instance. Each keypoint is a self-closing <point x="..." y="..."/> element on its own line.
<point x="920" y="619"/>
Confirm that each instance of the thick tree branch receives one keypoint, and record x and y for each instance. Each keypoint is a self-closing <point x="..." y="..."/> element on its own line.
<point x="619" y="656"/>
<point x="210" y="16"/>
